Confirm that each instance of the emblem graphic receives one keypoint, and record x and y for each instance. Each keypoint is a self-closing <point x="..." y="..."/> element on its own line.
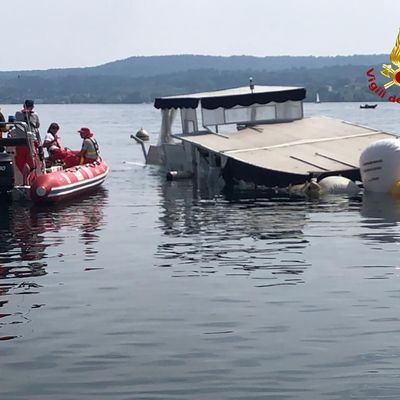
<point x="388" y="71"/>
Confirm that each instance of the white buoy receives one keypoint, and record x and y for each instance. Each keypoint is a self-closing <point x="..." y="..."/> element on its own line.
<point x="380" y="166"/>
<point x="338" y="185"/>
<point x="327" y="185"/>
<point x="142" y="134"/>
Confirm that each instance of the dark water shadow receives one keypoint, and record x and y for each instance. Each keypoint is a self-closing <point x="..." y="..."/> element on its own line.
<point x="381" y="206"/>
<point x="23" y="230"/>
<point x="29" y="234"/>
<point x="245" y="232"/>
<point x="381" y="213"/>
<point x="258" y="236"/>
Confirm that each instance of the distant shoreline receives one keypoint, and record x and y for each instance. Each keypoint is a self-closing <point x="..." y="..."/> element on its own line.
<point x="138" y="80"/>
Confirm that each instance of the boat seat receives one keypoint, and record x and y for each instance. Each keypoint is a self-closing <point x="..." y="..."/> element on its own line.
<point x="54" y="168"/>
<point x="50" y="164"/>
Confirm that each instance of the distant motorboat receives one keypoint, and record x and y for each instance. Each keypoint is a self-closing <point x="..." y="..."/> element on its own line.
<point x="368" y="105"/>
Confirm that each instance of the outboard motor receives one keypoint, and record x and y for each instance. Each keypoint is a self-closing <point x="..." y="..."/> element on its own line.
<point x="6" y="173"/>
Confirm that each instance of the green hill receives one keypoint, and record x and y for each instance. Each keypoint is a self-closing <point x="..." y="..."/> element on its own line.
<point x="140" y="79"/>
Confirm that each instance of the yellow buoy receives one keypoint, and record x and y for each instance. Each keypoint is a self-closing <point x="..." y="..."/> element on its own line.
<point x="395" y="189"/>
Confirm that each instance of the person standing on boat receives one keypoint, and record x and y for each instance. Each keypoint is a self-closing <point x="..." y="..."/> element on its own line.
<point x="30" y="117"/>
<point x="90" y="149"/>
<point x="3" y="128"/>
<point x="28" y="158"/>
<point x="3" y="124"/>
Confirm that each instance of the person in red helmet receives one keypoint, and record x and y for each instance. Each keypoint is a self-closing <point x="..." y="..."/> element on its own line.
<point x="90" y="149"/>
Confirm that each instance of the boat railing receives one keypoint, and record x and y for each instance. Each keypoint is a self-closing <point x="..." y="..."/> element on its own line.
<point x="13" y="142"/>
<point x="13" y="138"/>
<point x="141" y="142"/>
<point x="20" y="135"/>
<point x="22" y="127"/>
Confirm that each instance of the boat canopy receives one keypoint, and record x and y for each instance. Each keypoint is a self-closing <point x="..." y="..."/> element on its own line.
<point x="241" y="96"/>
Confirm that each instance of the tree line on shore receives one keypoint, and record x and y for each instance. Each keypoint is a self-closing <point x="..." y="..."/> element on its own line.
<point x="334" y="78"/>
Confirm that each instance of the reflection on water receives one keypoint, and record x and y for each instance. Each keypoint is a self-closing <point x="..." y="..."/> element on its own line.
<point x="22" y="246"/>
<point x="262" y="237"/>
<point x="24" y="228"/>
<point x="250" y="237"/>
<point x="381" y="214"/>
<point x="29" y="233"/>
<point x="381" y="206"/>
<point x="199" y="296"/>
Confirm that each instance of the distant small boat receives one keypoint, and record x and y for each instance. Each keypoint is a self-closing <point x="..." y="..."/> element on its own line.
<point x="317" y="100"/>
<point x="368" y="105"/>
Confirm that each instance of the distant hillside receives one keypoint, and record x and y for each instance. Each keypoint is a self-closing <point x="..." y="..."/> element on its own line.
<point x="140" y="79"/>
<point x="151" y="66"/>
<point x="160" y="65"/>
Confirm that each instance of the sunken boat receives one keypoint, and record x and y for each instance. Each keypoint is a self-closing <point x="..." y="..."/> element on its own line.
<point x="256" y="134"/>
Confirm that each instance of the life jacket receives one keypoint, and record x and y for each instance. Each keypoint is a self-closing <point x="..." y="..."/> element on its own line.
<point x="91" y="154"/>
<point x="31" y="119"/>
<point x="55" y="142"/>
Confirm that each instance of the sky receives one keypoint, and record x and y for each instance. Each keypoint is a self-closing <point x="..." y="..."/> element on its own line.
<point x="44" y="34"/>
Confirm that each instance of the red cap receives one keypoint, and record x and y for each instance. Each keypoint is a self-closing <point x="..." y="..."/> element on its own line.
<point x="85" y="132"/>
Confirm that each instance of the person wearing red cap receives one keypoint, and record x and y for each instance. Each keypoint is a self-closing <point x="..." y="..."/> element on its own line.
<point x="90" y="149"/>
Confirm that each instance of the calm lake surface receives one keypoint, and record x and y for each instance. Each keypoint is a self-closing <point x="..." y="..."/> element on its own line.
<point x="147" y="290"/>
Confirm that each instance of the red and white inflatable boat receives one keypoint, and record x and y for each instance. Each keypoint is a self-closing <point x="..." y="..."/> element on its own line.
<point x="24" y="174"/>
<point x="60" y="184"/>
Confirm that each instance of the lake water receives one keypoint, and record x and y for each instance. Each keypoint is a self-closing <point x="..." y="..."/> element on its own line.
<point x="146" y="290"/>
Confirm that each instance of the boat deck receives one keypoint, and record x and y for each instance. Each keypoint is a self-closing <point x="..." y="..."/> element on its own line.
<point x="309" y="145"/>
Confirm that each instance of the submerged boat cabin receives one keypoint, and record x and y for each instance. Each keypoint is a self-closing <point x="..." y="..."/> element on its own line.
<point x="257" y="134"/>
<point x="241" y="106"/>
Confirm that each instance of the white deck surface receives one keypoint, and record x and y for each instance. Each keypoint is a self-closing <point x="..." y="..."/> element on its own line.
<point x="315" y="144"/>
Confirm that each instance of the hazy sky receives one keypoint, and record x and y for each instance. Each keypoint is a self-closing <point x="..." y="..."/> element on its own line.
<point x="44" y="34"/>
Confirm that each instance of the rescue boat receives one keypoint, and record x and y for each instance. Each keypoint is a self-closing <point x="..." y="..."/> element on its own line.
<point x="26" y="175"/>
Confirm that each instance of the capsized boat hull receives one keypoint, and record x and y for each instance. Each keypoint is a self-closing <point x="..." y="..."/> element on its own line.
<point x="235" y="170"/>
<point x="64" y="184"/>
<point x="280" y="154"/>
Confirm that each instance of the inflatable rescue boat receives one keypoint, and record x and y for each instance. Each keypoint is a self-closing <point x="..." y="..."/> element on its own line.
<point x="26" y="174"/>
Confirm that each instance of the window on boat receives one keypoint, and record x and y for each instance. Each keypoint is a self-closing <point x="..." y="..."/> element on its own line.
<point x="189" y="120"/>
<point x="256" y="113"/>
<point x="289" y="111"/>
